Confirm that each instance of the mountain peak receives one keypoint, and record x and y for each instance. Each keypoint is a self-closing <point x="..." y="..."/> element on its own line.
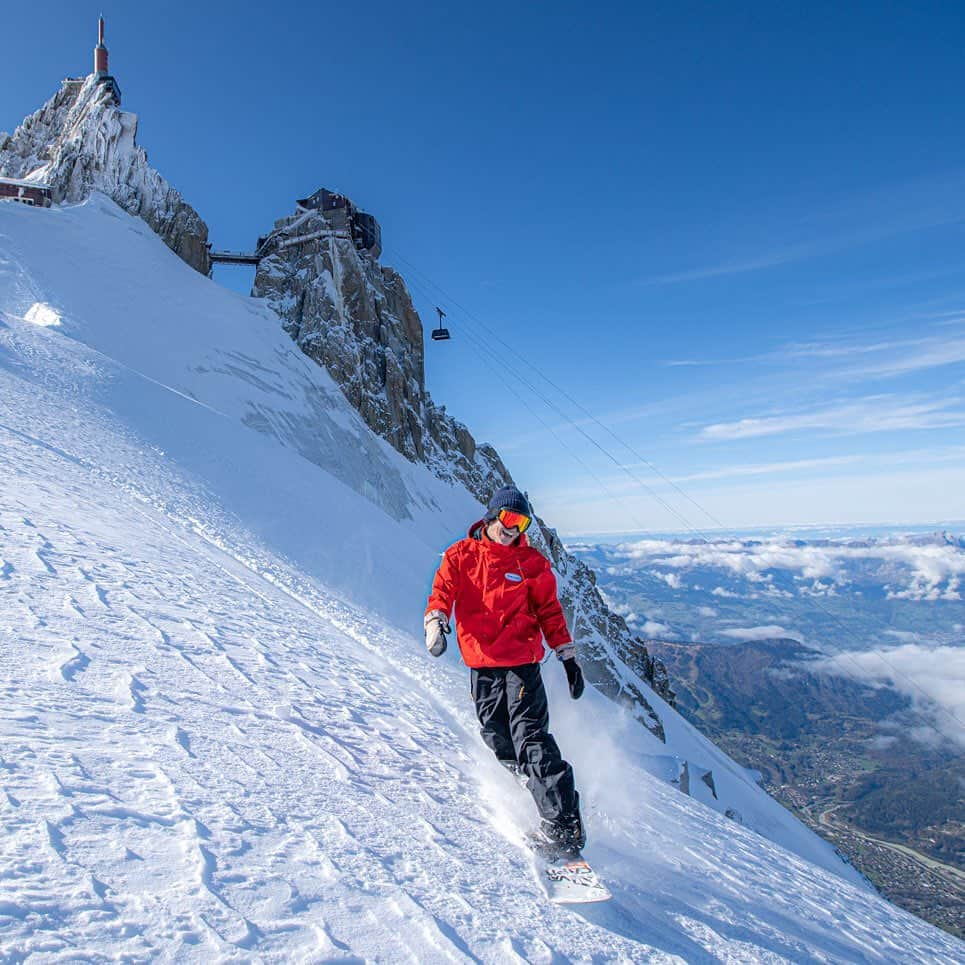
<point x="81" y="141"/>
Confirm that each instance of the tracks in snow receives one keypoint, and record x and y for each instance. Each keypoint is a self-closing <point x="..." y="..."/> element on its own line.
<point x="187" y="766"/>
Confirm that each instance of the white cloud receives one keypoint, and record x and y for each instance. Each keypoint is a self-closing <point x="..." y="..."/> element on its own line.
<point x="762" y="633"/>
<point x="870" y="414"/>
<point x="848" y="360"/>
<point x="620" y="609"/>
<point x="910" y="492"/>
<point x="622" y="496"/>
<point x="907" y="568"/>
<point x="931" y="355"/>
<point x="653" y="629"/>
<point x="933" y="677"/>
<point x="734" y="267"/>
<point x="845" y="348"/>
<point x="863" y="219"/>
<point x="905" y="636"/>
<point x="768" y="468"/>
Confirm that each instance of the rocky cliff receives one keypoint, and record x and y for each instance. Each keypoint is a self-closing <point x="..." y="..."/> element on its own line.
<point x="355" y="317"/>
<point x="80" y="141"/>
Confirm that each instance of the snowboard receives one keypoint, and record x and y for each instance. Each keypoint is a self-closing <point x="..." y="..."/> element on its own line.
<point x="571" y="881"/>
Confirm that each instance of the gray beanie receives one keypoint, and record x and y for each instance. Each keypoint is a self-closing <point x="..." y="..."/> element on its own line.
<point x="509" y="497"/>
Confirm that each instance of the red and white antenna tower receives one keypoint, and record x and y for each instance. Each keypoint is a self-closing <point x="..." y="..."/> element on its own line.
<point x="100" y="51"/>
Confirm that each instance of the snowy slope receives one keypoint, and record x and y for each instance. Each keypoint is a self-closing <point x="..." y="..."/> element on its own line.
<point x="101" y="276"/>
<point x="192" y="369"/>
<point x="222" y="738"/>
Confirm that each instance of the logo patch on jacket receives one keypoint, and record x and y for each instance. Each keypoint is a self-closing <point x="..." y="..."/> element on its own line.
<point x="514" y="578"/>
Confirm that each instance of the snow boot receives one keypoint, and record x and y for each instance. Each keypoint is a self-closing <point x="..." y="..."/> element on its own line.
<point x="564" y="838"/>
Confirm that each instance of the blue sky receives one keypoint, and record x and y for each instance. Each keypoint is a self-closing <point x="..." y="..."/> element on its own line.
<point x="730" y="234"/>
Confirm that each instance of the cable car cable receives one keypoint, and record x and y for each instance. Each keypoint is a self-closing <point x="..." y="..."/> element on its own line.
<point x="569" y="398"/>
<point x="501" y="363"/>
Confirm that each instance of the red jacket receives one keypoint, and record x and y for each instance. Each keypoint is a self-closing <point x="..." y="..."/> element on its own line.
<point x="505" y="598"/>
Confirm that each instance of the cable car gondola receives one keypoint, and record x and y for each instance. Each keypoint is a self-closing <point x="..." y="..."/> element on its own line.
<point x="440" y="334"/>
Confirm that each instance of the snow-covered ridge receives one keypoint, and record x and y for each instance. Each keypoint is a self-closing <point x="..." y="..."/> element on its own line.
<point x="222" y="737"/>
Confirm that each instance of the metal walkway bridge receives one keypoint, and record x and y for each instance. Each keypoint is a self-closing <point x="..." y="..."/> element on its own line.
<point x="234" y="258"/>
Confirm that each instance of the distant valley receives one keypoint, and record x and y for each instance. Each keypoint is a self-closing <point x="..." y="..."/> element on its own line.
<point x="787" y="654"/>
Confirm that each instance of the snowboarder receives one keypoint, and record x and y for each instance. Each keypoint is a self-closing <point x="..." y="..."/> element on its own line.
<point x="504" y="594"/>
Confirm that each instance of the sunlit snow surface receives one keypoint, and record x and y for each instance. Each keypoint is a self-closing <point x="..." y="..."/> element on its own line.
<point x="221" y="737"/>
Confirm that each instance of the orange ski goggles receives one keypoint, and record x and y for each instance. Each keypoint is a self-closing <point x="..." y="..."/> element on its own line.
<point x="514" y="520"/>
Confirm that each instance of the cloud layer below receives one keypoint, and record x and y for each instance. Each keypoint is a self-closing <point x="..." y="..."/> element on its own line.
<point x="933" y="677"/>
<point x="931" y="568"/>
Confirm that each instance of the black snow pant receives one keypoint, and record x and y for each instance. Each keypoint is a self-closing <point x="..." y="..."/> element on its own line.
<point x="514" y="717"/>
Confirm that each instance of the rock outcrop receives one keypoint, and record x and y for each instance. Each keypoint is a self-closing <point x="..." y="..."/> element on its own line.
<point x="80" y="141"/>
<point x="356" y="317"/>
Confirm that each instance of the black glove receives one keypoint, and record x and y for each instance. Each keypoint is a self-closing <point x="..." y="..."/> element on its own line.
<point x="574" y="677"/>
